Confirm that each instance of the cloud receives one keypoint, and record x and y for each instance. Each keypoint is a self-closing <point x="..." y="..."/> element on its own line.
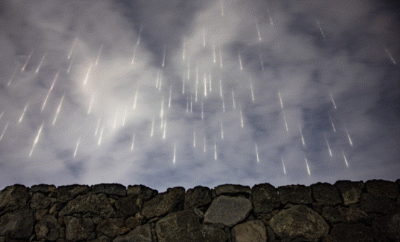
<point x="198" y="93"/>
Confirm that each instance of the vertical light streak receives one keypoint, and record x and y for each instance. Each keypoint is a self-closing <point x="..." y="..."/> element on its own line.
<point x="36" y="139"/>
<point x="284" y="167"/>
<point x="202" y="111"/>
<point x="98" y="55"/>
<point x="302" y="137"/>
<point x="170" y="96"/>
<point x="12" y="77"/>
<point x="280" y="99"/>
<point x="258" y="32"/>
<point x="133" y="142"/>
<point x="87" y="74"/>
<point x="220" y="59"/>
<point x="165" y="129"/>
<point x="76" y="147"/>
<point x="72" y="48"/>
<point x="4" y="130"/>
<point x="241" y="118"/>
<point x="333" y="125"/>
<point x="348" y="136"/>
<point x="240" y="63"/>
<point x="205" y="84"/>
<point x="97" y="126"/>
<point x="222" y="131"/>
<point x="58" y="109"/>
<point x="23" y="113"/>
<point x="257" y="156"/>
<point x="48" y="93"/>
<point x="135" y="98"/>
<point x="286" y="124"/>
<point x="204" y="145"/>
<point x="26" y="62"/>
<point x="163" y="61"/>
<point x="194" y="138"/>
<point x="204" y="37"/>
<point x="174" y="157"/>
<point x="333" y="101"/>
<point x="252" y="91"/>
<point x="320" y="29"/>
<point x="91" y="104"/>
<point x="390" y="56"/>
<point x="101" y="135"/>
<point x="41" y="62"/>
<point x="262" y="63"/>
<point x="222" y="7"/>
<point x="152" y="128"/>
<point x="215" y="150"/>
<point x="345" y="159"/>
<point x="308" y="167"/>
<point x="233" y="100"/>
<point x="329" y="147"/>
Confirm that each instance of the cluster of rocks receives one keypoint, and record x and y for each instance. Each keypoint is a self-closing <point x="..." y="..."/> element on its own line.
<point x="345" y="211"/>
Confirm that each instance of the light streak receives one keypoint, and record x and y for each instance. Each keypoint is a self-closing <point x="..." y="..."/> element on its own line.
<point x="97" y="126"/>
<point x="36" y="139"/>
<point x="124" y="119"/>
<point x="23" y="113"/>
<point x="72" y="48"/>
<point x="223" y="105"/>
<point x="58" y="109"/>
<point x="222" y="131"/>
<point x="215" y="151"/>
<point x="183" y="51"/>
<point x="91" y="104"/>
<point x="12" y="77"/>
<point x="222" y="7"/>
<point x="333" y="101"/>
<point x="48" y="93"/>
<point x="162" y="109"/>
<point x="220" y="59"/>
<point x="284" y="167"/>
<point x="390" y="56"/>
<point x="302" y="137"/>
<point x="174" y="157"/>
<point x="194" y="138"/>
<point x="163" y="61"/>
<point x="333" y="125"/>
<point x="348" y="136"/>
<point x="135" y="98"/>
<point x="26" y="62"/>
<point x="327" y="144"/>
<point x="345" y="159"/>
<point x="270" y="17"/>
<point x="257" y="156"/>
<point x="240" y="63"/>
<point x="152" y="128"/>
<point x="165" y="129"/>
<point x="308" y="167"/>
<point x="286" y="124"/>
<point x="133" y="142"/>
<point x="134" y="54"/>
<point x="280" y="99"/>
<point x="220" y="88"/>
<point x="202" y="111"/>
<point x="205" y="84"/>
<point x="41" y="62"/>
<point x="87" y="74"/>
<point x="1" y="115"/>
<point x="320" y="29"/>
<point x="204" y="37"/>
<point x="140" y="34"/>
<point x="262" y="63"/>
<point x="191" y="103"/>
<point x="170" y="96"/>
<point x="258" y="32"/>
<point x="101" y="135"/>
<point x="98" y="55"/>
<point x="70" y="65"/>
<point x="76" y="147"/>
<point x="241" y="118"/>
<point x="4" y="130"/>
<point x="214" y="54"/>
<point x="252" y="92"/>
<point x="204" y="145"/>
<point x="233" y="100"/>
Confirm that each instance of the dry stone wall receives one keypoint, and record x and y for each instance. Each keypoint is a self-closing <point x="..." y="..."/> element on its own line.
<point x="345" y="211"/>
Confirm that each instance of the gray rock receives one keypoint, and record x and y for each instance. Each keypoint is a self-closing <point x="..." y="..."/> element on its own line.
<point x="295" y="194"/>
<point x="127" y="206"/>
<point x="326" y="194"/>
<point x="67" y="193"/>
<point x="47" y="228"/>
<point x="13" y="197"/>
<point x="96" y="204"/>
<point x="389" y="225"/>
<point x="343" y="214"/>
<point x="17" y="224"/>
<point x="382" y="188"/>
<point x="111" y="227"/>
<point x="40" y="201"/>
<point x="374" y="204"/>
<point x="79" y="228"/>
<point x="139" y="234"/>
<point x="299" y="221"/>
<point x="198" y="196"/>
<point x="110" y="189"/>
<point x="43" y="188"/>
<point x="142" y="192"/>
<point x="170" y="201"/>
<point x="265" y="198"/>
<point x="351" y="191"/>
<point x="228" y="210"/>
<point x="185" y="226"/>
<point x="351" y="233"/>
<point x="252" y="231"/>
<point x="232" y="189"/>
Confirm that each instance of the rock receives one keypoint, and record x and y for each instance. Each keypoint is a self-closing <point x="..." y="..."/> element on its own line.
<point x="295" y="194"/>
<point x="142" y="192"/>
<point x="40" y="201"/>
<point x="164" y="203"/>
<point x="374" y="204"/>
<point x="132" y="222"/>
<point x="265" y="198"/>
<point x="198" y="196"/>
<point x="110" y="227"/>
<point x="299" y="221"/>
<point x="126" y="206"/>
<point x="101" y="239"/>
<point x="350" y="191"/>
<point x="326" y="194"/>
<point x="185" y="226"/>
<point x="47" y="228"/>
<point x="79" y="228"/>
<point x="110" y="189"/>
<point x="228" y="210"/>
<point x="13" y="198"/>
<point x="17" y="224"/>
<point x="232" y="189"/>
<point x="389" y="225"/>
<point x="96" y="204"/>
<point x="343" y="214"/>
<point x="382" y="188"/>
<point x="252" y="231"/>
<point x="351" y="233"/>
<point x="43" y="188"/>
<point x="140" y="234"/>
<point x="67" y="193"/>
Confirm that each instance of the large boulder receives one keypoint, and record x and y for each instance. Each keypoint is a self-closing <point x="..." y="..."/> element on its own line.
<point x="17" y="224"/>
<point x="350" y="191"/>
<point x="110" y="189"/>
<point x="295" y="194"/>
<point x="13" y="198"/>
<point x="374" y="204"/>
<point x="185" y="226"/>
<point x="94" y="204"/>
<point x="79" y="229"/>
<point x="228" y="210"/>
<point x="265" y="198"/>
<point x="252" y="231"/>
<point x="48" y="228"/>
<point x="299" y="221"/>
<point x="197" y="197"/>
<point x="163" y="203"/>
<point x="326" y="194"/>
<point x="127" y="206"/>
<point x="142" y="192"/>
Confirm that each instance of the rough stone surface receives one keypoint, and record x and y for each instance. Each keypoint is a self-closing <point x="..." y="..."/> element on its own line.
<point x="110" y="189"/>
<point x="13" y="197"/>
<point x="265" y="198"/>
<point x="17" y="225"/>
<point x="127" y="206"/>
<point x="198" y="196"/>
<point x="96" y="204"/>
<point x="295" y="194"/>
<point x="79" y="228"/>
<point x="351" y="191"/>
<point x="228" y="210"/>
<point x="40" y="201"/>
<point x="299" y="221"/>
<point x="374" y="204"/>
<point x="252" y="231"/>
<point x="390" y="225"/>
<point x="164" y="203"/>
<point x="326" y="194"/>
<point x="351" y="233"/>
<point x="232" y="189"/>
<point x="142" y="192"/>
<point x="43" y="188"/>
<point x="382" y="188"/>
<point x="343" y="214"/>
<point x="66" y="193"/>
<point x="48" y="228"/>
<point x="111" y="227"/>
<point x="185" y="226"/>
<point x="139" y="234"/>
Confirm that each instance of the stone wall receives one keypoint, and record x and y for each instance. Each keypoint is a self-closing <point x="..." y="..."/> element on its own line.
<point x="345" y="211"/>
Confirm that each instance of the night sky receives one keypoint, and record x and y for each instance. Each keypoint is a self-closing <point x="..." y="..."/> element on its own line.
<point x="190" y="92"/>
